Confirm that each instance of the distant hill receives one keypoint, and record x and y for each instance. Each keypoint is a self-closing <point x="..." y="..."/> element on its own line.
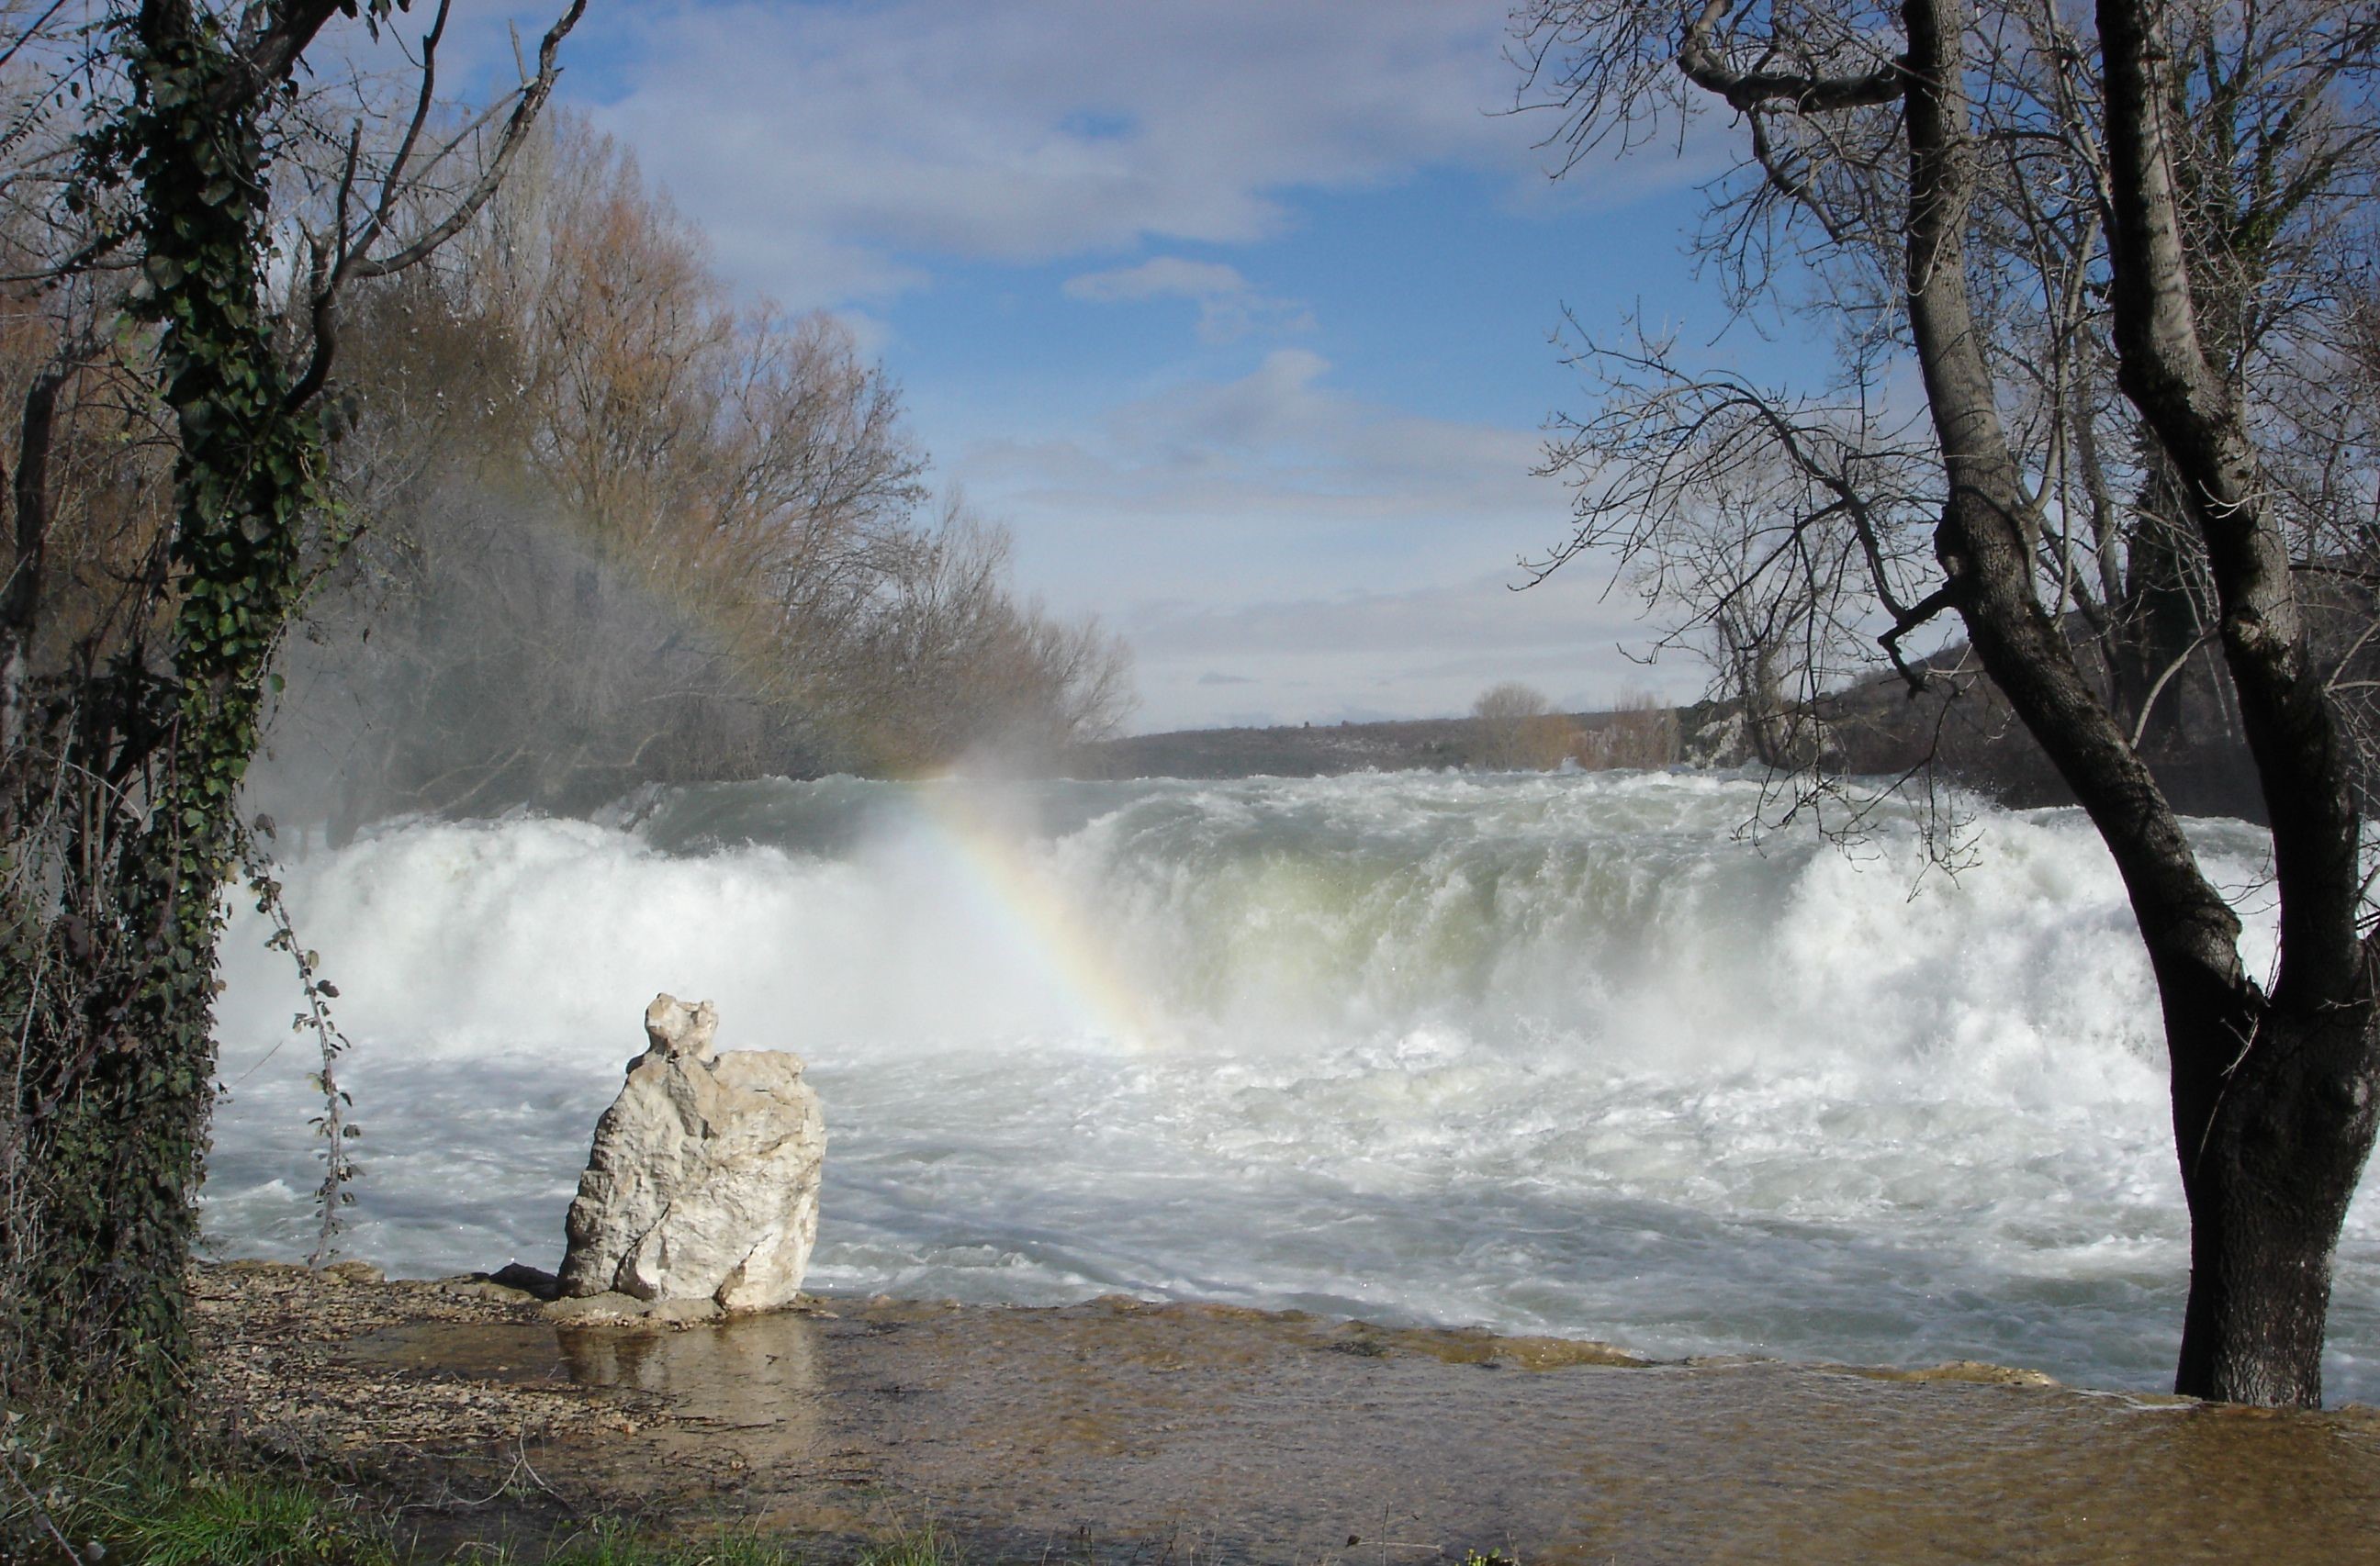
<point x="1302" y="751"/>
<point x="1309" y="751"/>
<point x="1875" y="728"/>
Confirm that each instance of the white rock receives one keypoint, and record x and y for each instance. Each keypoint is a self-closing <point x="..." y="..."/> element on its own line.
<point x="703" y="1180"/>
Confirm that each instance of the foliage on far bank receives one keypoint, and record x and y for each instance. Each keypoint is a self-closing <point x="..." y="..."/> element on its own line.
<point x="1515" y="728"/>
<point x="621" y="530"/>
<point x="1639" y="732"/>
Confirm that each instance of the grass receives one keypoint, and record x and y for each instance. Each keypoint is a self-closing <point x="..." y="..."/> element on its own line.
<point x="612" y="1543"/>
<point x="229" y="1520"/>
<point x="245" y="1518"/>
<point x="255" y="1519"/>
<point x="921" y="1547"/>
<point x="56" y="1509"/>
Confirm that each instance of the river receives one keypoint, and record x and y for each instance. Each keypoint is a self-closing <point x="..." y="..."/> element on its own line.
<point x="1566" y="1054"/>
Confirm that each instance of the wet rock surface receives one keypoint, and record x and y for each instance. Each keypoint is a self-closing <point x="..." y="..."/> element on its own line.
<point x="1116" y="1429"/>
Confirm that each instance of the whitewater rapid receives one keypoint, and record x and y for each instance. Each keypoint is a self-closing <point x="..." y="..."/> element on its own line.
<point x="1568" y="1054"/>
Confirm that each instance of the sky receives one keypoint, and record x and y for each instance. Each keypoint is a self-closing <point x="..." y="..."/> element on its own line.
<point x="1237" y="313"/>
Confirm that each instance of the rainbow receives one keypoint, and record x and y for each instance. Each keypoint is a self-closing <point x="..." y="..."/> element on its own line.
<point x="1020" y="892"/>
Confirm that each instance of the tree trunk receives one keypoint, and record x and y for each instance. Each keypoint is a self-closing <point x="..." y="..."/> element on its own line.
<point x="120" y="1081"/>
<point x="2274" y="1122"/>
<point x="2272" y="1096"/>
<point x="21" y="595"/>
<point x="2271" y="1152"/>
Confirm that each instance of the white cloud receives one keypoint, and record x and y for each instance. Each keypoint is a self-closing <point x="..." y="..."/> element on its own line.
<point x="1427" y="652"/>
<point x="1160" y="277"/>
<point x="831" y="149"/>
<point x="1230" y="308"/>
<point x="1271" y="544"/>
<point x="1277" y="451"/>
<point x="820" y="144"/>
<point x="869" y="332"/>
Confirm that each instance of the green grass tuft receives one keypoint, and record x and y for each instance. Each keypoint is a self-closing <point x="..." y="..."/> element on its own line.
<point x="234" y="1521"/>
<point x="919" y="1547"/>
<point x="609" y="1543"/>
<point x="226" y="1514"/>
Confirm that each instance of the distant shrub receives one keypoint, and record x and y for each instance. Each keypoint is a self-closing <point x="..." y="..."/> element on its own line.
<point x="1640" y="732"/>
<point x="1519" y="731"/>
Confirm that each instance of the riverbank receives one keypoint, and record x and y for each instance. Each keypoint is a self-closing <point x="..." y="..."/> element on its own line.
<point x="1119" y="1430"/>
<point x="1960" y="729"/>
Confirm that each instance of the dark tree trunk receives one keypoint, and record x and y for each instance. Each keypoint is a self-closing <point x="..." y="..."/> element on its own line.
<point x="108" y="980"/>
<point x="2272" y="1095"/>
<point x="20" y="594"/>
<point x="2273" y="1111"/>
<point x="2271" y="1153"/>
<point x="118" y="1083"/>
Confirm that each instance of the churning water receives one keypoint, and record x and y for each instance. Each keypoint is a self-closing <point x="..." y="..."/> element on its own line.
<point x="1562" y="1054"/>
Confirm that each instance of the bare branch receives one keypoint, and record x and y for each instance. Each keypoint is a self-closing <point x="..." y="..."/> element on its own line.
<point x="1704" y="61"/>
<point x="532" y="96"/>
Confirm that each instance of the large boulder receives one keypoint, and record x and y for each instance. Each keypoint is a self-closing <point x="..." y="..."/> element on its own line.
<point x="703" y="1181"/>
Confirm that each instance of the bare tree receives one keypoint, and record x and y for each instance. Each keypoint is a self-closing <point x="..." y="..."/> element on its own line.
<point x="948" y="663"/>
<point x="2075" y="228"/>
<point x="1518" y="729"/>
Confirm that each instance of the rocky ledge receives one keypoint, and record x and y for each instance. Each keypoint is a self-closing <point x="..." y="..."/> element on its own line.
<point x="1122" y="1429"/>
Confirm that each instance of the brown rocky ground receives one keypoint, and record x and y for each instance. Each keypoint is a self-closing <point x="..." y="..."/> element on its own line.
<point x="275" y="1378"/>
<point x="451" y="1451"/>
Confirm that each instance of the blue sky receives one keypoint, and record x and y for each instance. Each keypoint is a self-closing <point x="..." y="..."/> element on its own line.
<point x="1234" y="311"/>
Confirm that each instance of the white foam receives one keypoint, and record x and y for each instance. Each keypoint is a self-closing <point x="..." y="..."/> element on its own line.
<point x="1551" y="1054"/>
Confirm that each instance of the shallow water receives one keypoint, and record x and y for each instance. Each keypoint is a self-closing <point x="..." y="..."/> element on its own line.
<point x="1549" y="1054"/>
<point x="1109" y="1431"/>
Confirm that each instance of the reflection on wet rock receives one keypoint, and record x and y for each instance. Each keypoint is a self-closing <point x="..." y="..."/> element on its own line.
<point x="760" y="1370"/>
<point x="1120" y="1428"/>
